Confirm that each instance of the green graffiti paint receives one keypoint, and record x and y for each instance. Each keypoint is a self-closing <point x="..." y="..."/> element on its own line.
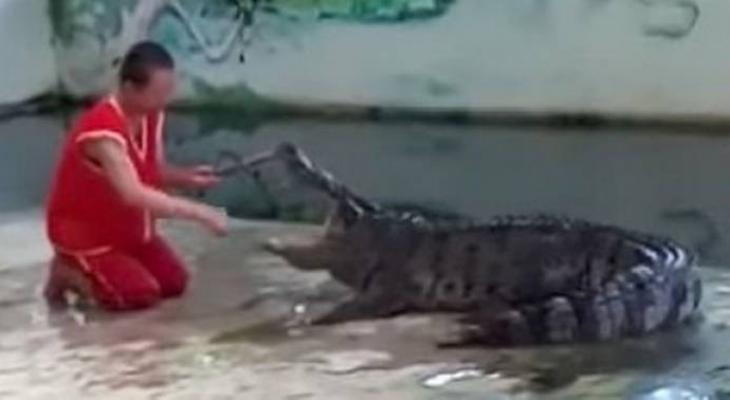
<point x="100" y="18"/>
<point x="354" y="10"/>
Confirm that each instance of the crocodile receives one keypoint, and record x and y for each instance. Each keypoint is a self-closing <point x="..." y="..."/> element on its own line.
<point x="512" y="280"/>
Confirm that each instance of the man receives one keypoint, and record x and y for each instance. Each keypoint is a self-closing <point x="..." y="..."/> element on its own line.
<point x="107" y="193"/>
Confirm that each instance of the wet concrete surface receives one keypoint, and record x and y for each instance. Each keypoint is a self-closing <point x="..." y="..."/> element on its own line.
<point x="235" y="335"/>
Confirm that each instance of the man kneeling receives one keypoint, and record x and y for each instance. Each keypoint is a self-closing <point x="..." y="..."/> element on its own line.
<point x="107" y="193"/>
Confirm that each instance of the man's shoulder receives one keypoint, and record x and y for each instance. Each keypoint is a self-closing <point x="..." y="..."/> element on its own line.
<point x="100" y="115"/>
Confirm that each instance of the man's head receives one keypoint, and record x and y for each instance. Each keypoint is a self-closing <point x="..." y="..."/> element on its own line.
<point x="146" y="77"/>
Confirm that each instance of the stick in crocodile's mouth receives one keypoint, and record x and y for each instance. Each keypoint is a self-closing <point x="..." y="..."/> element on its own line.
<point x="240" y="163"/>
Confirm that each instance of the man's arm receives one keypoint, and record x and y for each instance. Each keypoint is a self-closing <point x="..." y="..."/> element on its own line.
<point x="174" y="177"/>
<point x="200" y="177"/>
<point x="117" y="167"/>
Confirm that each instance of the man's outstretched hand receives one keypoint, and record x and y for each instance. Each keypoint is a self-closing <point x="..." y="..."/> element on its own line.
<point x="201" y="177"/>
<point x="213" y="219"/>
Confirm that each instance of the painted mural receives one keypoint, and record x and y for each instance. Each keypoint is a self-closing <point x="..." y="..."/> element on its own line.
<point x="90" y="35"/>
<point x="557" y="56"/>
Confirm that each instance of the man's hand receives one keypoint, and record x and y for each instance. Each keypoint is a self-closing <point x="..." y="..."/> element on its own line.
<point x="197" y="178"/>
<point x="202" y="177"/>
<point x="214" y="219"/>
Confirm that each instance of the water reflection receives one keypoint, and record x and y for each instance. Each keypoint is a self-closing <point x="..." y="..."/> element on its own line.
<point x="673" y="388"/>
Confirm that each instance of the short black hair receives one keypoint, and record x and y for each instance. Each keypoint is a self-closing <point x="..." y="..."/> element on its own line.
<point x="141" y="60"/>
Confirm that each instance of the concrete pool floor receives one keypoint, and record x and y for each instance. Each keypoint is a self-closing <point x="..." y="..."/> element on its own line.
<point x="235" y="336"/>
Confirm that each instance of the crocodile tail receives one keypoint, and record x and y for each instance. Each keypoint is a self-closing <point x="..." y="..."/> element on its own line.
<point x="662" y="290"/>
<point x="683" y="275"/>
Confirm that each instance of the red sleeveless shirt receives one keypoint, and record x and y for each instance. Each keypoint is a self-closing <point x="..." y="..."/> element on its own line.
<point x="85" y="214"/>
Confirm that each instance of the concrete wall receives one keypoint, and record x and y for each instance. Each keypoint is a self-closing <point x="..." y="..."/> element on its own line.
<point x="28" y="67"/>
<point x="619" y="56"/>
<point x="665" y="57"/>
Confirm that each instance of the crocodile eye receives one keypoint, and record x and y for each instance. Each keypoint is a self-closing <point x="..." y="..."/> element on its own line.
<point x="440" y="236"/>
<point x="472" y="248"/>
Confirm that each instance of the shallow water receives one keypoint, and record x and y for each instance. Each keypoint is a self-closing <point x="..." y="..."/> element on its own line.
<point x="235" y="334"/>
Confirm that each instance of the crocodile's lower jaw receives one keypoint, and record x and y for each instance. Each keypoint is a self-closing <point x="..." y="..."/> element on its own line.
<point x="302" y="252"/>
<point x="273" y="245"/>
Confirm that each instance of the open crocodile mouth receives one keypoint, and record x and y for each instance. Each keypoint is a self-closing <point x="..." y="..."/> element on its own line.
<point x="302" y="251"/>
<point x="280" y="245"/>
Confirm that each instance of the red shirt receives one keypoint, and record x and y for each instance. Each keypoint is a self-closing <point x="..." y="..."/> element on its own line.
<point x="85" y="214"/>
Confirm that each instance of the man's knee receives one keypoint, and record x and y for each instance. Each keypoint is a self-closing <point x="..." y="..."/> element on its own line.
<point x="167" y="266"/>
<point x="175" y="283"/>
<point x="130" y="298"/>
<point x="123" y="284"/>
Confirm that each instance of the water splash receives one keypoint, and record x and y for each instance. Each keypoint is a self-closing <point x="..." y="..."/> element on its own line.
<point x="673" y="388"/>
<point x="444" y="378"/>
<point x="75" y="305"/>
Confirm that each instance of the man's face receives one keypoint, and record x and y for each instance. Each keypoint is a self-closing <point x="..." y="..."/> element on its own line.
<point x="157" y="93"/>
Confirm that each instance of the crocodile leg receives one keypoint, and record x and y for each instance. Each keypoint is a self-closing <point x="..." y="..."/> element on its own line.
<point x="495" y="323"/>
<point x="506" y="328"/>
<point x="361" y="307"/>
<point x="558" y="319"/>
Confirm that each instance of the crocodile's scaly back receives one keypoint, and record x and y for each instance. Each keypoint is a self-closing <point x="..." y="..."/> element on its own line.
<point x="519" y="279"/>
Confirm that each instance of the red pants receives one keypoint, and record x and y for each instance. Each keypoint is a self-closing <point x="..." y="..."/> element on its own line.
<point x="120" y="280"/>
